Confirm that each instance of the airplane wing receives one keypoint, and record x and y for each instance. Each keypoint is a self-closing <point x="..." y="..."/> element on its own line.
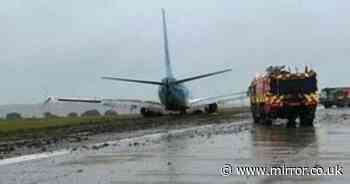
<point x="113" y="103"/>
<point x="85" y="100"/>
<point x="218" y="99"/>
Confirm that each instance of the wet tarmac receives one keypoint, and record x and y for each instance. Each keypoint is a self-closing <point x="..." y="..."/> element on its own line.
<point x="197" y="155"/>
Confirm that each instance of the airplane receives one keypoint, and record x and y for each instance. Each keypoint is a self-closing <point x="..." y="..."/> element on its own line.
<point x="172" y="93"/>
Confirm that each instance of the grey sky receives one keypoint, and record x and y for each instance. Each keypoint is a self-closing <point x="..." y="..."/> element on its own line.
<point x="66" y="46"/>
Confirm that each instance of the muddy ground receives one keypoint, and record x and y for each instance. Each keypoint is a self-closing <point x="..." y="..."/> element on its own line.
<point x="71" y="137"/>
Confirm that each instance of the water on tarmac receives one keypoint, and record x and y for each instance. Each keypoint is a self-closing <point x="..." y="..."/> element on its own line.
<point x="196" y="155"/>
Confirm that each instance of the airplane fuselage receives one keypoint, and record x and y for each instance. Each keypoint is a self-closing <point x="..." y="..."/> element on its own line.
<point x="173" y="96"/>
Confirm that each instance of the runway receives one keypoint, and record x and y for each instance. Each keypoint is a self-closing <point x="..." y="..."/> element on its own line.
<point x="197" y="154"/>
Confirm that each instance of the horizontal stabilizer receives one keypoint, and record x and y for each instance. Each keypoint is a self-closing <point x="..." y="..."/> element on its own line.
<point x="202" y="76"/>
<point x="132" y="80"/>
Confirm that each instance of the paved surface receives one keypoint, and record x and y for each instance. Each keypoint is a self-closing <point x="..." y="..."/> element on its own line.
<point x="196" y="155"/>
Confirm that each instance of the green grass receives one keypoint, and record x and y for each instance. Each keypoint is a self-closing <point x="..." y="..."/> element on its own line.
<point x="40" y="126"/>
<point x="24" y="124"/>
<point x="7" y="126"/>
<point x="29" y="128"/>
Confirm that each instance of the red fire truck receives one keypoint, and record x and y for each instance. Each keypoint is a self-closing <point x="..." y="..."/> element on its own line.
<point x="280" y="93"/>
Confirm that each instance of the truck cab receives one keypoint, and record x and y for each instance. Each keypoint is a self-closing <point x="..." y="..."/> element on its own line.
<point x="339" y="97"/>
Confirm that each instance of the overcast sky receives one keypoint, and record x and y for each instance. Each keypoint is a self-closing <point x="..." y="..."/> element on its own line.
<point x="62" y="48"/>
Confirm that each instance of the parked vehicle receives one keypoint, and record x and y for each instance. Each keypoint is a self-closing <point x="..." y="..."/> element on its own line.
<point x="340" y="97"/>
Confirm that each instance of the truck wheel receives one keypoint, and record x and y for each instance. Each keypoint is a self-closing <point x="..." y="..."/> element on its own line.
<point x="268" y="121"/>
<point x="327" y="105"/>
<point x="340" y="105"/>
<point x="255" y="118"/>
<point x="291" y="122"/>
<point x="307" y="119"/>
<point x="265" y="120"/>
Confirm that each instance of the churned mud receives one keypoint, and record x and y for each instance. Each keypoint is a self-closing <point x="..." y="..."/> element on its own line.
<point x="70" y="137"/>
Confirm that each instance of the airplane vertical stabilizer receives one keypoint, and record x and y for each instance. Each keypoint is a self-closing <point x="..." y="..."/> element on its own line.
<point x="169" y="72"/>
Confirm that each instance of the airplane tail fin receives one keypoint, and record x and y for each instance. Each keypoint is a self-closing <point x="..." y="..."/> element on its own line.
<point x="201" y="76"/>
<point x="169" y="72"/>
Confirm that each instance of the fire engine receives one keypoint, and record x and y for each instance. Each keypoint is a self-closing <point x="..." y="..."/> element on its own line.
<point x="280" y="93"/>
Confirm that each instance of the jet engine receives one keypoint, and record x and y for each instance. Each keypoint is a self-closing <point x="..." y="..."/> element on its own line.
<point x="211" y="108"/>
<point x="151" y="111"/>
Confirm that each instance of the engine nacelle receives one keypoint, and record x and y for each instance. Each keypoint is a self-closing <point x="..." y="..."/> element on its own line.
<point x="151" y="112"/>
<point x="211" y="108"/>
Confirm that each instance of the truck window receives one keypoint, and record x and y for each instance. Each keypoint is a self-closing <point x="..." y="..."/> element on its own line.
<point x="294" y="86"/>
<point x="324" y="94"/>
